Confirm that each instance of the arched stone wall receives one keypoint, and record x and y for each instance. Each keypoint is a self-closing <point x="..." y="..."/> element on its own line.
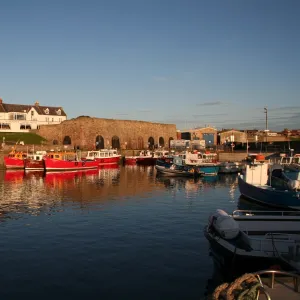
<point x="83" y="132"/>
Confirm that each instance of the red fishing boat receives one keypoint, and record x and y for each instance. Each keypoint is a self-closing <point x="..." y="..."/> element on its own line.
<point x="14" y="160"/>
<point x="144" y="158"/>
<point x="73" y="163"/>
<point x="104" y="156"/>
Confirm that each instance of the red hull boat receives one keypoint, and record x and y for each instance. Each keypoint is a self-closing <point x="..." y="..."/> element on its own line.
<point x="35" y="161"/>
<point x="59" y="165"/>
<point x="104" y="156"/>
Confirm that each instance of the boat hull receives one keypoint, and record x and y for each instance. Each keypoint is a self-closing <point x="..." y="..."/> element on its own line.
<point x="209" y="170"/>
<point x="13" y="163"/>
<point x="228" y="258"/>
<point x="268" y="196"/>
<point x="58" y="165"/>
<point x="173" y="172"/>
<point x="31" y="164"/>
<point x="108" y="160"/>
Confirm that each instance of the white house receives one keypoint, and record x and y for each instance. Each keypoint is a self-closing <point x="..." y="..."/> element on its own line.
<point x="22" y="118"/>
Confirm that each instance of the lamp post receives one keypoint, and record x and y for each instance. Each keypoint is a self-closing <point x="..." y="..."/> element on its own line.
<point x="266" y="112"/>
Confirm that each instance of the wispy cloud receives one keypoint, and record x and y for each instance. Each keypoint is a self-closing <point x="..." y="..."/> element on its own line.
<point x="212" y="103"/>
<point x="160" y="78"/>
<point x="282" y="108"/>
<point x="145" y="111"/>
<point x="122" y="114"/>
<point x="209" y="115"/>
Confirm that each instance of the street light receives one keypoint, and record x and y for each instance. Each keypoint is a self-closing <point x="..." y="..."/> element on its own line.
<point x="266" y="112"/>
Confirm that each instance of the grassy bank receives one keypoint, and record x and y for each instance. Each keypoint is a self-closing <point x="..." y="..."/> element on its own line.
<point x="12" y="138"/>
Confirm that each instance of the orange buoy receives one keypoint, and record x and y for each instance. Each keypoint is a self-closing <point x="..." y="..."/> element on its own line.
<point x="260" y="157"/>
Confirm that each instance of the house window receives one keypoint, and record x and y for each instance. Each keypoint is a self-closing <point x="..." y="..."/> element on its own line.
<point x="32" y="113"/>
<point x="52" y="119"/>
<point x="47" y="119"/>
<point x="47" y="111"/>
<point x="58" y="112"/>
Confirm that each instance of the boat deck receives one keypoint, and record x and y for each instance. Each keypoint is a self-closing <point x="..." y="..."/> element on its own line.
<point x="283" y="289"/>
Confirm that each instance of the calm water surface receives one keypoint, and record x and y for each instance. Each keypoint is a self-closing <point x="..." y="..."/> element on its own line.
<point x="117" y="233"/>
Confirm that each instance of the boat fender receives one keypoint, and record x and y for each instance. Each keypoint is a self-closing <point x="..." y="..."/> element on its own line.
<point x="224" y="224"/>
<point x="293" y="184"/>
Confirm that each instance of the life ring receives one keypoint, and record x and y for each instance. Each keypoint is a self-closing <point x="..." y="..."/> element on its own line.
<point x="76" y="163"/>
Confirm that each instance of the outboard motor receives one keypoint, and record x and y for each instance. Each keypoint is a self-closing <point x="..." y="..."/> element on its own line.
<point x="224" y="224"/>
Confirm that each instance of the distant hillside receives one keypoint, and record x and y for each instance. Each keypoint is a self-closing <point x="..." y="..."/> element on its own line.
<point x="12" y="138"/>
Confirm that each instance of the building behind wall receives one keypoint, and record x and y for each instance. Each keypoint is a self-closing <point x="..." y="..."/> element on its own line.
<point x="23" y="118"/>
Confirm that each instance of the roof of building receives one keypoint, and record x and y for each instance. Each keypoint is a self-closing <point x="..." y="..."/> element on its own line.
<point x="41" y="110"/>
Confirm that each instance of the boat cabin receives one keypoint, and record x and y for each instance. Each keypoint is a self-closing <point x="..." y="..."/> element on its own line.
<point x="103" y="153"/>
<point x="38" y="155"/>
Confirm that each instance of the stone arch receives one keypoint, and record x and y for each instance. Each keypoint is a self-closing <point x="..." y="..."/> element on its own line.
<point x="115" y="142"/>
<point x="129" y="144"/>
<point x="170" y="139"/>
<point x="67" y="140"/>
<point x="161" y="142"/>
<point x="99" y="142"/>
<point x="140" y="143"/>
<point x="55" y="142"/>
<point x="151" y="142"/>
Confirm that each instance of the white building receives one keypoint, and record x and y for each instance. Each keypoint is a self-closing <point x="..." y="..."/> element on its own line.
<point x="22" y="118"/>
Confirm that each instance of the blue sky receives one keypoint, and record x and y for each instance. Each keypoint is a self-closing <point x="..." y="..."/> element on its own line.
<point x="186" y="62"/>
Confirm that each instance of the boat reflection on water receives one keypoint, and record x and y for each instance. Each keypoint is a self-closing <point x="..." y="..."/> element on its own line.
<point x="14" y="175"/>
<point x="59" y="179"/>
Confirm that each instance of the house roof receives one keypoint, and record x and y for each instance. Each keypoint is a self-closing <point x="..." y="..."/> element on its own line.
<point x="41" y="110"/>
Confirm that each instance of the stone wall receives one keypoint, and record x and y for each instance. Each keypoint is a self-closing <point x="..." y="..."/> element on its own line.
<point x="83" y="132"/>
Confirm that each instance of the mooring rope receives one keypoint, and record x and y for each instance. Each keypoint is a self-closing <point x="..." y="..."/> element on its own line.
<point x="243" y="288"/>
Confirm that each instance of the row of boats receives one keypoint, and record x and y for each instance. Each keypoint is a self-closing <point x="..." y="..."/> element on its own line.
<point x="183" y="164"/>
<point x="61" y="160"/>
<point x="260" y="243"/>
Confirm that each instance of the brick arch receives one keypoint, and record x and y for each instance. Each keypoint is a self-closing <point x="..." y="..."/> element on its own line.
<point x="150" y="142"/>
<point x="140" y="143"/>
<point x="67" y="140"/>
<point x="99" y="142"/>
<point x="161" y="142"/>
<point x="115" y="142"/>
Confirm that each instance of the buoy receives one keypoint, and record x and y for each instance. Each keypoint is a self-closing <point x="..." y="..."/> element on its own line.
<point x="260" y="157"/>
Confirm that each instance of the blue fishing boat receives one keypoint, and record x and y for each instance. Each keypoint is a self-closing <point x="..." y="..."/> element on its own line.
<point x="256" y="184"/>
<point x="176" y="167"/>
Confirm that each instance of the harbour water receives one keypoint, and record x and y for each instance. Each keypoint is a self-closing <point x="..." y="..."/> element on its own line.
<point x="117" y="233"/>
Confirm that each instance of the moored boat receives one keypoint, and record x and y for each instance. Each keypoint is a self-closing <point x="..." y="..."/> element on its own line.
<point x="256" y="185"/>
<point x="59" y="165"/>
<point x="241" y="252"/>
<point x="176" y="168"/>
<point x="104" y="156"/>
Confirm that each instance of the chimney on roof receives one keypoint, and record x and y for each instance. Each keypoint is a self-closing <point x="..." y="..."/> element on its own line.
<point x="36" y="103"/>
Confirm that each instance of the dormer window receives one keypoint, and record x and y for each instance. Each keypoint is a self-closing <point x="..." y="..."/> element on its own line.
<point x="58" y="111"/>
<point x="47" y="111"/>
